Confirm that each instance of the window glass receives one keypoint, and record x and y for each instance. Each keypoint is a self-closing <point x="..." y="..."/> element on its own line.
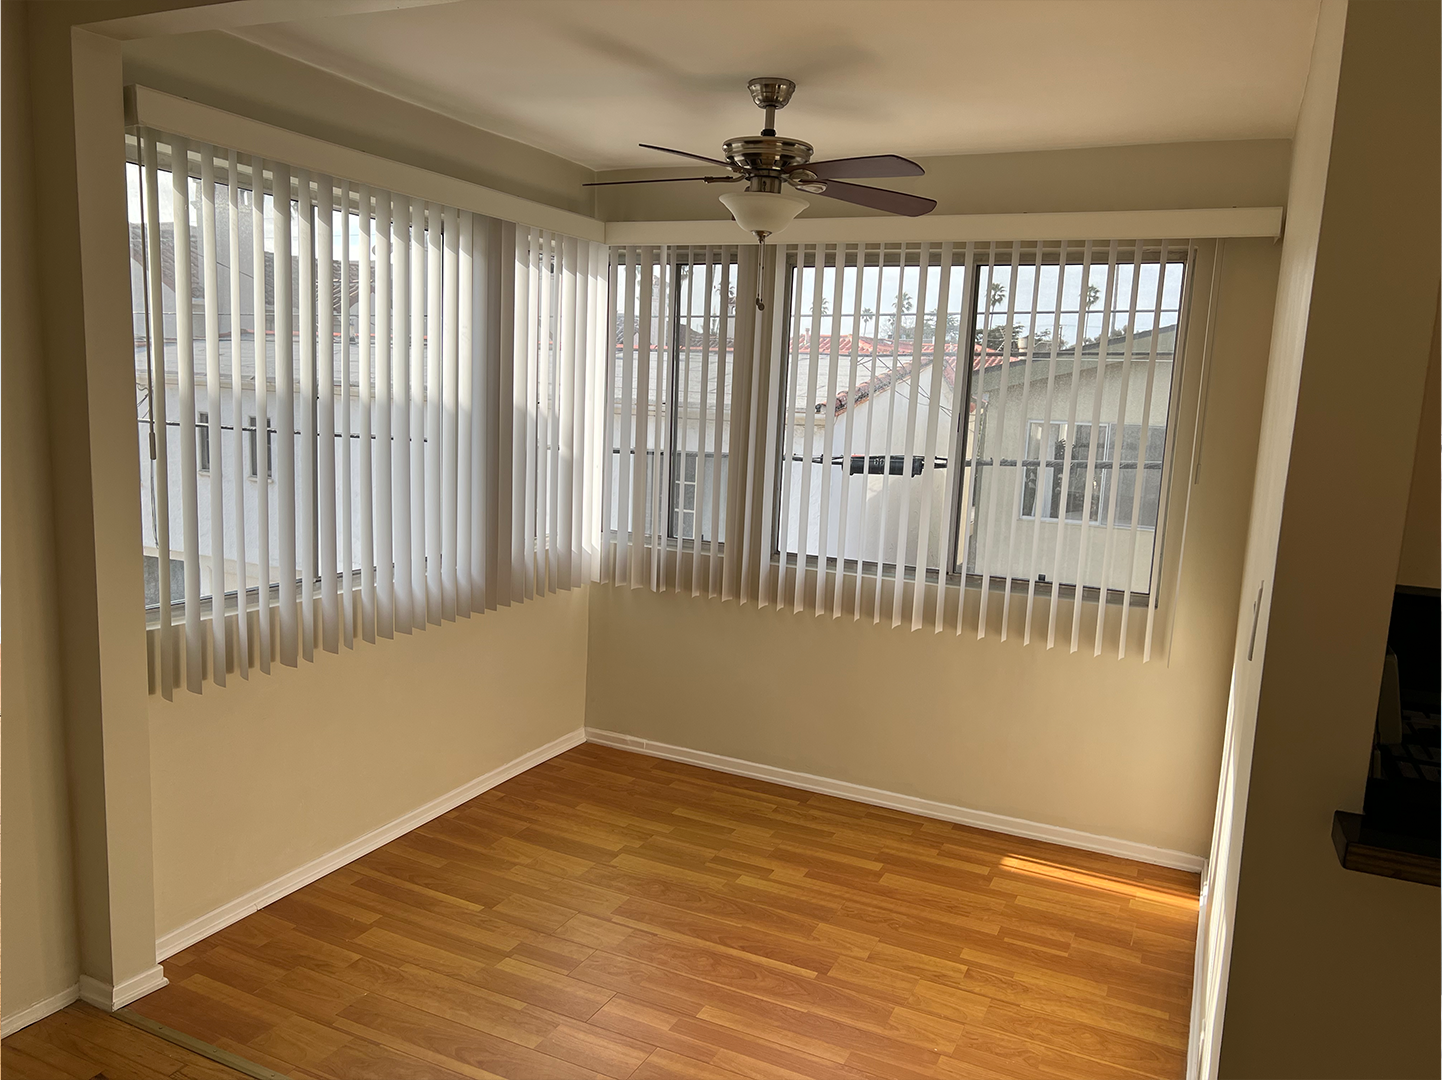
<point x="1071" y="365"/>
<point x="871" y="345"/>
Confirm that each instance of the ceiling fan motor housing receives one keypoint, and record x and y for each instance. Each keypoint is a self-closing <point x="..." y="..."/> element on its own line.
<point x="766" y="158"/>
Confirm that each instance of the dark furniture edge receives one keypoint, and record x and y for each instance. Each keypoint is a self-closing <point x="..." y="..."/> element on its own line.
<point x="1368" y="851"/>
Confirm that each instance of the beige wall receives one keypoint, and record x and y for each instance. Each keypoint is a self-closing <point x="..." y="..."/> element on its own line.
<point x="1162" y="177"/>
<point x="1123" y="749"/>
<point x="1418" y="564"/>
<point x="257" y="779"/>
<point x="1334" y="973"/>
<point x="40" y="948"/>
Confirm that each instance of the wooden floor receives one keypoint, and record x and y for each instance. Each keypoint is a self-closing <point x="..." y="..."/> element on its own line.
<point x="608" y="914"/>
<point x="81" y="1043"/>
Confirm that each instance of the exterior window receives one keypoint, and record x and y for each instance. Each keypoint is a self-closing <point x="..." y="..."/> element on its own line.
<point x="1072" y="334"/>
<point x="703" y="347"/>
<point x="893" y="455"/>
<point x="1046" y="460"/>
<point x="202" y="442"/>
<point x="252" y="452"/>
<point x="867" y="411"/>
<point x="671" y="386"/>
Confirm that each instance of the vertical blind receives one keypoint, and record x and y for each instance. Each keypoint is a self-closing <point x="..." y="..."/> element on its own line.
<point x="888" y="475"/>
<point x="361" y="413"/>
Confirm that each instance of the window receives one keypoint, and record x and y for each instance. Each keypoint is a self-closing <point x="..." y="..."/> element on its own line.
<point x="1045" y="463"/>
<point x="921" y="424"/>
<point x="202" y="441"/>
<point x="895" y="463"/>
<point x="867" y="405"/>
<point x="1072" y="345"/>
<point x="703" y="350"/>
<point x="252" y="455"/>
<point x="401" y="357"/>
<point x="672" y="373"/>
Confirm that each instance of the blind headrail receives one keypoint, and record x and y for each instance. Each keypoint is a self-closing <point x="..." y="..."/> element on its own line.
<point x="1204" y="223"/>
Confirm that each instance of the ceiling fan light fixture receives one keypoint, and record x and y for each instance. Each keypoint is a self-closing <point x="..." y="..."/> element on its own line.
<point x="763" y="213"/>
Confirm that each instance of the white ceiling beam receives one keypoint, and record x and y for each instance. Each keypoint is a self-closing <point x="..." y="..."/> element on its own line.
<point x="1231" y="221"/>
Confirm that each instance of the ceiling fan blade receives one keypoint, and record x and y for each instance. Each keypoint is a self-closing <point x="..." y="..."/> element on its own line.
<point x="862" y="168"/>
<point x="686" y="153"/>
<point x="667" y="180"/>
<point x="893" y="202"/>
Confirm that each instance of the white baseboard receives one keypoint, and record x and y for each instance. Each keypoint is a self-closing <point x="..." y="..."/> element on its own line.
<point x="13" y="1022"/>
<point x="104" y="996"/>
<point x="981" y="819"/>
<point x="170" y="943"/>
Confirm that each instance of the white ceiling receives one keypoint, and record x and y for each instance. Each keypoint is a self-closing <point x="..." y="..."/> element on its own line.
<point x="589" y="79"/>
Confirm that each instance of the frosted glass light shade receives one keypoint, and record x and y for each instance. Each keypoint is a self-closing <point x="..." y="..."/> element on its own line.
<point x="763" y="211"/>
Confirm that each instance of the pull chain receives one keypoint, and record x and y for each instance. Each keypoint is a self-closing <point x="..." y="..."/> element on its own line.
<point x="760" y="266"/>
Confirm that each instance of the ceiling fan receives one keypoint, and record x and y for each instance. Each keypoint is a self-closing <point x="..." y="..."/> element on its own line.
<point x="768" y="164"/>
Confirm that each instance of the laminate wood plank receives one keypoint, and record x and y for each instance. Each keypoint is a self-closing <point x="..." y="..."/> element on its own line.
<point x="373" y="1060"/>
<point x="611" y="915"/>
<point x="446" y="1041"/>
<point x="88" y="1032"/>
<point x="59" y="1058"/>
<point x="300" y="1041"/>
<point x="16" y="1062"/>
<point x="83" y="1043"/>
<point x="664" y="1065"/>
<point x="245" y="972"/>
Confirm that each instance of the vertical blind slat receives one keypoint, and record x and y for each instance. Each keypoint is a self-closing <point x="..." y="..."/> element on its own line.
<point x="401" y="524"/>
<point x="386" y="575"/>
<point x="308" y="539"/>
<point x="1094" y="448"/>
<point x="1165" y="472"/>
<point x="214" y="449"/>
<point x="908" y="447"/>
<point x="933" y="419"/>
<point x="1067" y="455"/>
<point x="1044" y="444"/>
<point x="344" y="445"/>
<point x="827" y="453"/>
<point x="873" y="379"/>
<point x="701" y="417"/>
<point x="1024" y="414"/>
<point x="185" y="367"/>
<point x="366" y="373"/>
<point x="325" y="415"/>
<point x="1118" y="439"/>
<point x="416" y="420"/>
<point x="1142" y="444"/>
<point x="260" y="430"/>
<point x="996" y="437"/>
<point x="434" y="397"/>
<point x="159" y="412"/>
<point x="237" y="419"/>
<point x="719" y="412"/>
<point x="660" y="458"/>
<point x="848" y="446"/>
<point x="465" y="402"/>
<point x="288" y="569"/>
<point x="568" y="445"/>
<point x="450" y="402"/>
